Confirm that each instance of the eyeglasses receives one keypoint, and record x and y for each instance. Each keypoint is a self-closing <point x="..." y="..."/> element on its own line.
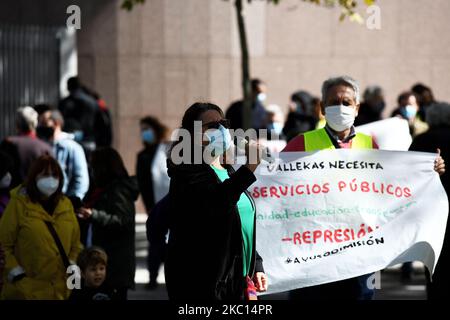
<point x="216" y="124"/>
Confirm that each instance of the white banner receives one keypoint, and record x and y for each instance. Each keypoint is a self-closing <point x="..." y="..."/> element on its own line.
<point x="337" y="214"/>
<point x="160" y="179"/>
<point x="389" y="134"/>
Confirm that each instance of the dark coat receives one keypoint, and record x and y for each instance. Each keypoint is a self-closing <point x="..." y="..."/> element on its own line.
<point x="113" y="229"/>
<point x="144" y="175"/>
<point x="428" y="142"/>
<point x="297" y="123"/>
<point x="23" y="150"/>
<point x="204" y="259"/>
<point x="79" y="111"/>
<point x="89" y="294"/>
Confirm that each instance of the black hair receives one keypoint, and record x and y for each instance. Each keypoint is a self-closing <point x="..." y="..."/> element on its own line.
<point x="108" y="166"/>
<point x="255" y="83"/>
<point x="43" y="107"/>
<point x="73" y="83"/>
<point x="192" y="114"/>
<point x="403" y="96"/>
<point x="420" y="88"/>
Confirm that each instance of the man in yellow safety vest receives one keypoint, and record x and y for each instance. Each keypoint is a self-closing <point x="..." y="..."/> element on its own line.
<point x="340" y="105"/>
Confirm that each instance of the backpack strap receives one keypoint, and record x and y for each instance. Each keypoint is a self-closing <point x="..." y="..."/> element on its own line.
<point x="55" y="236"/>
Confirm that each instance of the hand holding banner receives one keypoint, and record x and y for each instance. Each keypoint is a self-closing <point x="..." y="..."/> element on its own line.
<point x="337" y="214"/>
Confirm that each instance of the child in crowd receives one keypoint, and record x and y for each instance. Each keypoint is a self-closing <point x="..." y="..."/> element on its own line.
<point x="92" y="263"/>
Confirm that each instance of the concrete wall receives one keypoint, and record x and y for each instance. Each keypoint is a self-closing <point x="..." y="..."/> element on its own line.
<point x="175" y="52"/>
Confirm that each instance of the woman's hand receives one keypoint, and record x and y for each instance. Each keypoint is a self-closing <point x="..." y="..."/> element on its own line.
<point x="84" y="213"/>
<point x="253" y="151"/>
<point x="439" y="164"/>
<point x="260" y="281"/>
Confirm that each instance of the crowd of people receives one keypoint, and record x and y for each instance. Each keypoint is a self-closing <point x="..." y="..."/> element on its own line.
<point x="66" y="197"/>
<point x="64" y="188"/>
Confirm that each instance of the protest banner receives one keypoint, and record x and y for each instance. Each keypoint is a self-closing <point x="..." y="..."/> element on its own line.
<point x="389" y="134"/>
<point x="335" y="214"/>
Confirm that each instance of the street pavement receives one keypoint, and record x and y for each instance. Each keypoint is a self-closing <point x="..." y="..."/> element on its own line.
<point x="391" y="285"/>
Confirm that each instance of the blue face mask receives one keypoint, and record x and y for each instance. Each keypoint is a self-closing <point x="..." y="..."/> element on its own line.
<point x="277" y="127"/>
<point x="78" y="136"/>
<point x="219" y="140"/>
<point x="409" y="111"/>
<point x="148" y="136"/>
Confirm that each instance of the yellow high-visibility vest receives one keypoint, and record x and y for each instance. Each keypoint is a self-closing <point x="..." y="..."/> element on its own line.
<point x="319" y="140"/>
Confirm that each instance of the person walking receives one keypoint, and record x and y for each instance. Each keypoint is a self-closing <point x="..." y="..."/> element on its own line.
<point x="151" y="171"/>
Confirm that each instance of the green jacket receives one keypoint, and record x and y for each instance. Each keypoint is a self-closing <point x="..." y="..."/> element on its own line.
<point x="113" y="221"/>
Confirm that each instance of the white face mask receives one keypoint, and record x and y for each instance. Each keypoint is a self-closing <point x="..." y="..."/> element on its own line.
<point x="5" y="182"/>
<point x="340" y="117"/>
<point x="219" y="140"/>
<point x="47" y="185"/>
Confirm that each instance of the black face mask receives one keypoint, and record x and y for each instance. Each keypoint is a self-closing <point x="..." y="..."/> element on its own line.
<point x="45" y="133"/>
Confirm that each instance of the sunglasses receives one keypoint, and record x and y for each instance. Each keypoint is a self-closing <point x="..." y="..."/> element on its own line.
<point x="216" y="124"/>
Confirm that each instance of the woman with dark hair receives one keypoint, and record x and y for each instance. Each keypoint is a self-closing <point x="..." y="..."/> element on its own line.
<point x="151" y="171"/>
<point x="110" y="209"/>
<point x="437" y="138"/>
<point x="153" y="135"/>
<point x="38" y="222"/>
<point x="211" y="249"/>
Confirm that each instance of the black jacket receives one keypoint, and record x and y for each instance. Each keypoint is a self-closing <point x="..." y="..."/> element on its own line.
<point x="205" y="242"/>
<point x="428" y="142"/>
<point x="297" y="123"/>
<point x="23" y="150"/>
<point x="89" y="294"/>
<point x="113" y="229"/>
<point x="144" y="175"/>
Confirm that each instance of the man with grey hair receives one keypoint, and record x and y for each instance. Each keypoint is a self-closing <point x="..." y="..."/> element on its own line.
<point x="25" y="147"/>
<point x="438" y="137"/>
<point x="340" y="105"/>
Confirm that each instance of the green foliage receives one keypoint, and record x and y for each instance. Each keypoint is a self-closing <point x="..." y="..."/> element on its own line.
<point x="348" y="7"/>
<point x="129" y="4"/>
